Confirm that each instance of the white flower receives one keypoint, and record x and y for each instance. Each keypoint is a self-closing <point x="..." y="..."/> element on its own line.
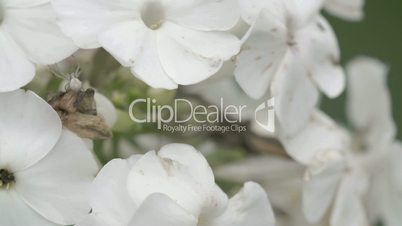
<point x="45" y="172"/>
<point x="29" y="35"/>
<point x="370" y="112"/>
<point x="290" y="53"/>
<point x="345" y="170"/>
<point x="165" y="43"/>
<point x="351" y="10"/>
<point x="172" y="187"/>
<point x="281" y="177"/>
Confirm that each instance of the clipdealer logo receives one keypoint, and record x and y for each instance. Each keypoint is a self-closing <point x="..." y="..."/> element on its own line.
<point x="199" y="118"/>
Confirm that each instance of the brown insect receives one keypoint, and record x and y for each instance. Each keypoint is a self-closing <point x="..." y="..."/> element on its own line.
<point x="77" y="110"/>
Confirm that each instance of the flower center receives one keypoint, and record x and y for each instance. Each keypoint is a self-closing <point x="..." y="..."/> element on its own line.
<point x="6" y="178"/>
<point x="153" y="15"/>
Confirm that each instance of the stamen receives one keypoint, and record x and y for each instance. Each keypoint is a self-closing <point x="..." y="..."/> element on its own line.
<point x="6" y="178"/>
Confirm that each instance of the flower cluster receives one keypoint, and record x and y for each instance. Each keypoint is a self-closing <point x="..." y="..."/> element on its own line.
<point x="242" y="50"/>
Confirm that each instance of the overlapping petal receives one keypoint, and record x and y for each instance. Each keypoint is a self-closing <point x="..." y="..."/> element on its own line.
<point x="15" y="69"/>
<point x="57" y="186"/>
<point x="35" y="31"/>
<point x="248" y="207"/>
<point x="24" y="113"/>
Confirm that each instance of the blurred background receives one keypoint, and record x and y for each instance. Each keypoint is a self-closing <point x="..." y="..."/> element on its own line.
<point x="379" y="35"/>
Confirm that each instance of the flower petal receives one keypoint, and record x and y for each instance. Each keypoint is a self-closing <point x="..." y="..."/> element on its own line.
<point x="249" y="207"/>
<point x="109" y="195"/>
<point x="124" y="41"/>
<point x="184" y="66"/>
<point x="349" y="209"/>
<point x="159" y="209"/>
<point x="369" y="101"/>
<point x="217" y="45"/>
<point x="15" y="69"/>
<point x="57" y="186"/>
<point x="148" y="65"/>
<point x="295" y="95"/>
<point x="320" y="135"/>
<point x="215" y="199"/>
<point x="320" y="50"/>
<point x="106" y="108"/>
<point x="84" y="20"/>
<point x="98" y="220"/>
<point x="205" y="15"/>
<point x="35" y="30"/>
<point x="351" y="10"/>
<point x="157" y="175"/>
<point x="252" y="9"/>
<point x="14" y="211"/>
<point x="260" y="169"/>
<point x="303" y="12"/>
<point x="29" y="129"/>
<point x="263" y="51"/>
<point x="319" y="191"/>
<point x="187" y="179"/>
<point x="23" y="3"/>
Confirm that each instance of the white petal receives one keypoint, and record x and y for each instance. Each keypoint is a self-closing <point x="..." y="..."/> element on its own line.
<point x="184" y="66"/>
<point x="15" y="212"/>
<point x="351" y="10"/>
<point x="251" y="10"/>
<point x="23" y="3"/>
<point x="15" y="68"/>
<point x="187" y="180"/>
<point x="302" y="12"/>
<point x="319" y="191"/>
<point x="320" y="50"/>
<point x="215" y="200"/>
<point x="320" y="135"/>
<point x="349" y="209"/>
<point x="295" y="95"/>
<point x="205" y="15"/>
<point x="148" y="65"/>
<point x="106" y="108"/>
<point x="158" y="209"/>
<point x="84" y="20"/>
<point x="35" y="30"/>
<point x="260" y="169"/>
<point x="249" y="207"/>
<point x="29" y="129"/>
<point x="217" y="45"/>
<point x="193" y="160"/>
<point x="57" y="186"/>
<point x="125" y="41"/>
<point x="368" y="100"/>
<point x="152" y="174"/>
<point x="98" y="220"/>
<point x="109" y="195"/>
<point x="261" y="55"/>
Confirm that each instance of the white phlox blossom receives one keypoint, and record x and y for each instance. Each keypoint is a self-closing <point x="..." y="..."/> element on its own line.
<point x="174" y="186"/>
<point x="165" y="43"/>
<point x="290" y="53"/>
<point x="45" y="171"/>
<point x="347" y="171"/>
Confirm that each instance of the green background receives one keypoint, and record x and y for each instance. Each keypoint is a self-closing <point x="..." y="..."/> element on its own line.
<point x="379" y="35"/>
